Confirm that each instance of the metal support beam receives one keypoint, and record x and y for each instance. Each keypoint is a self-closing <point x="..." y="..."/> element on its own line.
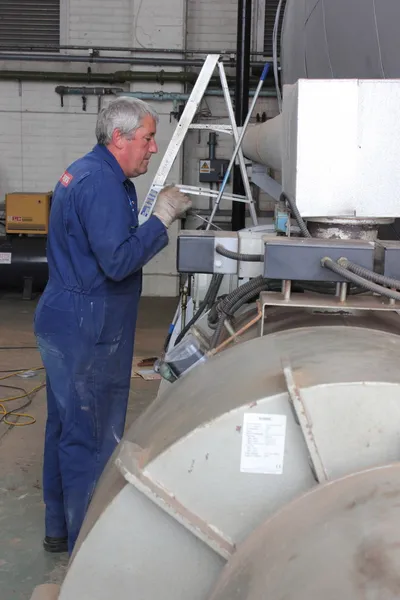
<point x="241" y="98"/>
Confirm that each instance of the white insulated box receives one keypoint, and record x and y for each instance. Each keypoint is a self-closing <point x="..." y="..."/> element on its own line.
<point x="341" y="147"/>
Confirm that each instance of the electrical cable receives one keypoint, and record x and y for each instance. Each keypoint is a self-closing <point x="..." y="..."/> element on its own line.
<point x="275" y="53"/>
<point x="236" y="299"/>
<point x="238" y="255"/>
<point x="18" y="348"/>
<point x="330" y="264"/>
<point x="16" y="412"/>
<point x="249" y="297"/>
<point x="368" y="274"/>
<point x="15" y="371"/>
<point x="295" y="211"/>
<point x="208" y="300"/>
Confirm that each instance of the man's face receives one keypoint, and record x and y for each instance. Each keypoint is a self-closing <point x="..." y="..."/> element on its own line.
<point x="135" y="153"/>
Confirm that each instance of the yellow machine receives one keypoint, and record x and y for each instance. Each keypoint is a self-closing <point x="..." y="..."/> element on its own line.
<point x="27" y="213"/>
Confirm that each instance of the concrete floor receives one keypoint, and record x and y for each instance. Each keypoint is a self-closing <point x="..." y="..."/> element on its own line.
<point x="23" y="562"/>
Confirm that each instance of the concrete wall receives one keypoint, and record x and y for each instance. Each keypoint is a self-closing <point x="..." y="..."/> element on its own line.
<point x="39" y="138"/>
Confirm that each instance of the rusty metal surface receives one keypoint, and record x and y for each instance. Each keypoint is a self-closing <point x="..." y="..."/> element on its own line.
<point x="340" y="541"/>
<point x="310" y="300"/>
<point x="346" y="229"/>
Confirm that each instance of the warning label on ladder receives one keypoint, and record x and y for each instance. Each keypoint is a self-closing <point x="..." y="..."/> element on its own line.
<point x="205" y="166"/>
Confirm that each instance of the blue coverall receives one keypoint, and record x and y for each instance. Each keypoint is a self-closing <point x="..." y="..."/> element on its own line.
<point x="85" y="326"/>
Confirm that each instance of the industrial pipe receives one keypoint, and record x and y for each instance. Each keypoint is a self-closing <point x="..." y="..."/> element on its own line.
<point x="242" y="87"/>
<point x="160" y="77"/>
<point x="375" y="288"/>
<point x="131" y="60"/>
<point x="370" y="275"/>
<point x="94" y="49"/>
<point x="263" y="143"/>
<point x="65" y="90"/>
<point x="157" y="96"/>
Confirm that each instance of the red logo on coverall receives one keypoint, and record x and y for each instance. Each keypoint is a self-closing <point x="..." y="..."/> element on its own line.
<point x="66" y="178"/>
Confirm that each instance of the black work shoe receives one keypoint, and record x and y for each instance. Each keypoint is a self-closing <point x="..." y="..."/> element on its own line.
<point x="55" y="544"/>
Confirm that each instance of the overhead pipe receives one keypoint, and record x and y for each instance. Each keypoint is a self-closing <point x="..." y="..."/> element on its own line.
<point x="170" y="96"/>
<point x="131" y="60"/>
<point x="64" y="90"/>
<point x="94" y="49"/>
<point x="158" y="96"/>
<point x="160" y="77"/>
<point x="242" y="87"/>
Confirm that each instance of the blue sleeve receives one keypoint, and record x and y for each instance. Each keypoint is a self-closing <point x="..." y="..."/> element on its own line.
<point x="107" y="218"/>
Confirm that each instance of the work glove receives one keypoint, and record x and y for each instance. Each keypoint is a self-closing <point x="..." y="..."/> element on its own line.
<point x="171" y="204"/>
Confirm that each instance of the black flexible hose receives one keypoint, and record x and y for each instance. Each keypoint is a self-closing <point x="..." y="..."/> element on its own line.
<point x="330" y="264"/>
<point x="370" y="275"/>
<point x="246" y="298"/>
<point x="220" y="308"/>
<point x="214" y="291"/>
<point x="214" y="314"/>
<point x="252" y="295"/>
<point x="217" y="332"/>
<point x="238" y="255"/>
<point x="299" y="219"/>
<point x="236" y="299"/>
<point x="208" y="300"/>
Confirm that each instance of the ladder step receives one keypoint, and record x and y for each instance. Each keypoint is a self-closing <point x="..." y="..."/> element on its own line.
<point x="213" y="127"/>
<point x="199" y="191"/>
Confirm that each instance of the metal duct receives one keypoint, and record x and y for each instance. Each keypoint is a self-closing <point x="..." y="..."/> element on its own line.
<point x="263" y="143"/>
<point x="340" y="39"/>
<point x="334" y="39"/>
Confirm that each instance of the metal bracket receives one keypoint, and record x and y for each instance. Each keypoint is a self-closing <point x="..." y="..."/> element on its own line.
<point x="288" y="299"/>
<point x="304" y="420"/>
<point x="130" y="464"/>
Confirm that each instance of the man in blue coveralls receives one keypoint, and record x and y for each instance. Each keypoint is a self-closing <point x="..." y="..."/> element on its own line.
<point x="85" y="320"/>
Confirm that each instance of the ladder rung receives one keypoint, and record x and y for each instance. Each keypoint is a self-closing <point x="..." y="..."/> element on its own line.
<point x="213" y="127"/>
<point x="199" y="191"/>
<point x="185" y="123"/>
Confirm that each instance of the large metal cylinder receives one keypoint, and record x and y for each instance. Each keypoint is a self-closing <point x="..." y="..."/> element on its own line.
<point x="334" y="39"/>
<point x="338" y="541"/>
<point x="175" y="501"/>
<point x="340" y="39"/>
<point x="23" y="258"/>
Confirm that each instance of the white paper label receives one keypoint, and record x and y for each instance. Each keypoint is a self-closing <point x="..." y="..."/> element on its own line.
<point x="263" y="444"/>
<point x="5" y="258"/>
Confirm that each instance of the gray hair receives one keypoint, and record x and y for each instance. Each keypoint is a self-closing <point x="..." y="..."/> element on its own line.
<point x="124" y="113"/>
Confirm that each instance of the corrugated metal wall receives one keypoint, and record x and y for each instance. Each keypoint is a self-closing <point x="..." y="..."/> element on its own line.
<point x="29" y="22"/>
<point x="270" y="12"/>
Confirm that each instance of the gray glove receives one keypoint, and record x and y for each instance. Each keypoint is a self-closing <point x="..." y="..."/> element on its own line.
<point x="171" y="204"/>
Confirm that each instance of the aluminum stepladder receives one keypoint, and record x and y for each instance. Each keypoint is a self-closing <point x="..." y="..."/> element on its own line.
<point x="184" y="125"/>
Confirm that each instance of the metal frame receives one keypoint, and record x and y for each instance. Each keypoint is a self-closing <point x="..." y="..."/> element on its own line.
<point x="311" y="300"/>
<point x="303" y="419"/>
<point x="184" y="125"/>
